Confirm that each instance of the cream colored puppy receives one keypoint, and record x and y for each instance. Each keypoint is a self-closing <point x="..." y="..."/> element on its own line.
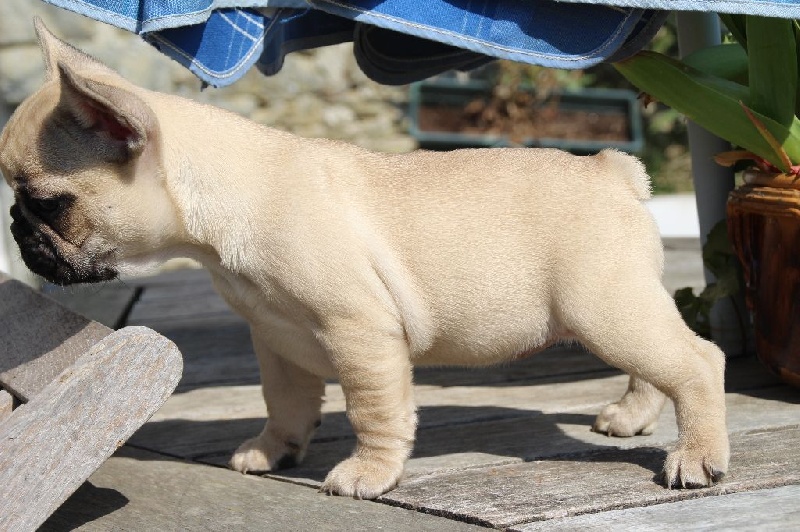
<point x="359" y="265"/>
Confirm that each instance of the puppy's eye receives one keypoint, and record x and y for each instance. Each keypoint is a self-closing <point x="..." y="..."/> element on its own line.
<point x="46" y="206"/>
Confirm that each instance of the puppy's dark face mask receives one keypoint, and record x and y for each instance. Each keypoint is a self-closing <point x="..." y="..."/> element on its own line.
<point x="57" y="180"/>
<point x="40" y="228"/>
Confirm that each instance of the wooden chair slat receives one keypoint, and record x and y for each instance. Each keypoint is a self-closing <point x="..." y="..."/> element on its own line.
<point x="6" y="405"/>
<point x="39" y="338"/>
<point x="50" y="445"/>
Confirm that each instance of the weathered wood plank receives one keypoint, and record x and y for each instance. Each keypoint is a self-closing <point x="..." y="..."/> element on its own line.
<point x="448" y="405"/>
<point x="540" y="434"/>
<point x="177" y="309"/>
<point x="183" y="306"/>
<point x="6" y="405"/>
<point x="172" y="279"/>
<point x="178" y="295"/>
<point x="208" y="424"/>
<point x="599" y="481"/>
<point x="107" y="303"/>
<point x="39" y="338"/>
<point x="503" y="436"/>
<point x="460" y="427"/>
<point x="215" y="353"/>
<point x="439" y="406"/>
<point x="137" y="490"/>
<point x="49" y="446"/>
<point x="769" y="509"/>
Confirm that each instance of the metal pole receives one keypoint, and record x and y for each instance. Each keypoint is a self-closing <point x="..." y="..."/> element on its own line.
<point x="712" y="182"/>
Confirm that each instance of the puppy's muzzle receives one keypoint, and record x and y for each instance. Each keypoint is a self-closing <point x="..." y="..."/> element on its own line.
<point x="43" y="256"/>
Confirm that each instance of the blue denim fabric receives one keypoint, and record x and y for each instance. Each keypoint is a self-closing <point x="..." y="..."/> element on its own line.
<point x="766" y="8"/>
<point x="224" y="47"/>
<point x="541" y="32"/>
<point x="143" y="16"/>
<point x="644" y="31"/>
<point x="229" y="42"/>
<point x="396" y="41"/>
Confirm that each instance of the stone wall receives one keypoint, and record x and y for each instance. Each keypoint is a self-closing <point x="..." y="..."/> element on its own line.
<point x="318" y="93"/>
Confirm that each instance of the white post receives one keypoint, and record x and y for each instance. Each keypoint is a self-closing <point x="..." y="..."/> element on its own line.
<point x="10" y="261"/>
<point x="5" y="235"/>
<point x="712" y="182"/>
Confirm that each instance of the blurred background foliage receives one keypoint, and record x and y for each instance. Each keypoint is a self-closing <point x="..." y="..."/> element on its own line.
<point x="665" y="153"/>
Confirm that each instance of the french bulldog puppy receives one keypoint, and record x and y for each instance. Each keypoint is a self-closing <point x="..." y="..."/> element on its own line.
<point x="359" y="265"/>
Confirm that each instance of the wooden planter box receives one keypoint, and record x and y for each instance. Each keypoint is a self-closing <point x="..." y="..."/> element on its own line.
<point x="580" y="122"/>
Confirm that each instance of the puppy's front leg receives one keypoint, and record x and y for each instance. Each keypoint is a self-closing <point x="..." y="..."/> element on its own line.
<point x="375" y="374"/>
<point x="294" y="399"/>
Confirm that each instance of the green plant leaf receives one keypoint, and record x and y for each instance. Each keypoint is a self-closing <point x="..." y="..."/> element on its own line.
<point x="737" y="25"/>
<point x="720" y="259"/>
<point x="796" y="28"/>
<point x="727" y="61"/>
<point x="718" y="242"/>
<point x="772" y="53"/>
<point x="712" y="102"/>
<point x="694" y="310"/>
<point x="767" y="135"/>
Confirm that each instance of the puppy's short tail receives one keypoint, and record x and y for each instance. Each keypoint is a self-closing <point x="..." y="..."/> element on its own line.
<point x="629" y="168"/>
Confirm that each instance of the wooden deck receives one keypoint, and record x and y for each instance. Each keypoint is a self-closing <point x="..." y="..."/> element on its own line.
<point x="506" y="447"/>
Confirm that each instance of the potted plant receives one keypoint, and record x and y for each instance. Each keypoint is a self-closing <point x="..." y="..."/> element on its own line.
<point x="511" y="104"/>
<point x="745" y="91"/>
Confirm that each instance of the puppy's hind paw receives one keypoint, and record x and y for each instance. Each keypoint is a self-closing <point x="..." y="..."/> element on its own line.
<point x="361" y="478"/>
<point x="694" y="468"/>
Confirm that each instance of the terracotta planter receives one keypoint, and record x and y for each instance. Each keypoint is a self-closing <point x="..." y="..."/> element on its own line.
<point x="764" y="228"/>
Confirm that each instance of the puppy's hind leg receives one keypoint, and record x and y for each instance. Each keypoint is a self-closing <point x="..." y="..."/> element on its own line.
<point x="636" y="413"/>
<point x="638" y="329"/>
<point x="294" y="400"/>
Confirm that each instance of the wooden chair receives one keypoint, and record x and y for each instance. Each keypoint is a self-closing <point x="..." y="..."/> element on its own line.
<point x="71" y="392"/>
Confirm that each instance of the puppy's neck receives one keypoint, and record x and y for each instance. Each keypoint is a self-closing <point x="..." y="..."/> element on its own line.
<point x="219" y="167"/>
<point x="215" y="211"/>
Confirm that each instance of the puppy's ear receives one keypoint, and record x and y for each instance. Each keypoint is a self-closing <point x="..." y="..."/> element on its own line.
<point x="121" y="122"/>
<point x="55" y="51"/>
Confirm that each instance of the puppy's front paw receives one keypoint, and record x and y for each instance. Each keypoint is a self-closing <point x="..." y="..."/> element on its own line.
<point x="696" y="466"/>
<point x="620" y="420"/>
<point x="361" y="478"/>
<point x="264" y="453"/>
<point x="636" y="413"/>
